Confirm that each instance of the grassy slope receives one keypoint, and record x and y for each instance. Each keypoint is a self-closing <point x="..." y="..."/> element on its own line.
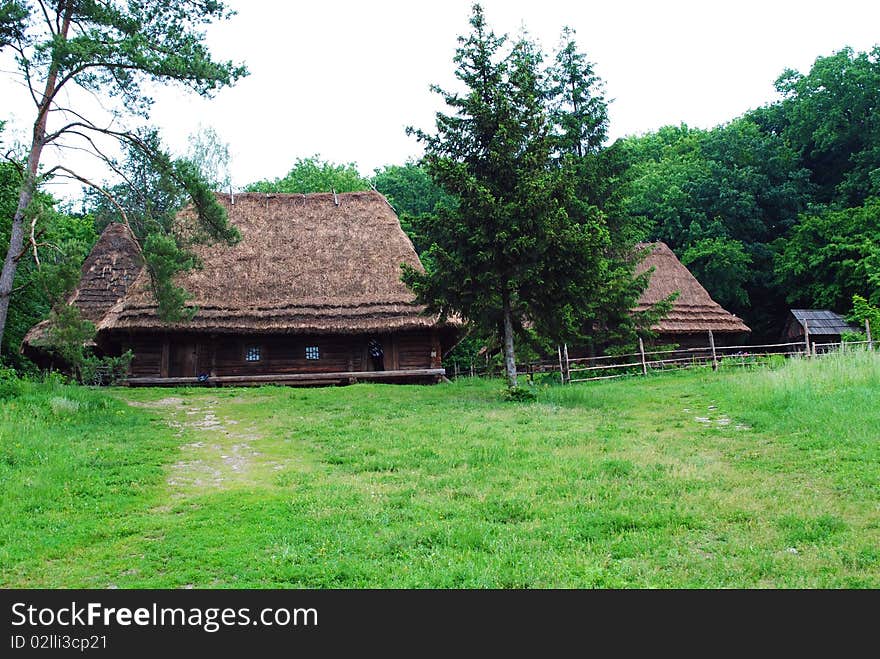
<point x="748" y="479"/>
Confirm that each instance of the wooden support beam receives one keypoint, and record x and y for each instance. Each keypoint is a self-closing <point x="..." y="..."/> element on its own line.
<point x="806" y="338"/>
<point x="282" y="378"/>
<point x="567" y="363"/>
<point x="642" y="353"/>
<point x="714" y="356"/>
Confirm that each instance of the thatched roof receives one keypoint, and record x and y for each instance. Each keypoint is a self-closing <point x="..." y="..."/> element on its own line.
<point x="316" y="263"/>
<point x="693" y="310"/>
<point x="110" y="268"/>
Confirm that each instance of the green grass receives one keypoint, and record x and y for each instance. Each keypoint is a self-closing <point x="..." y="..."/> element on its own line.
<point x="761" y="478"/>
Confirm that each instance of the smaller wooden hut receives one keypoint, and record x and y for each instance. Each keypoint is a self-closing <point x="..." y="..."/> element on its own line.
<point x="824" y="326"/>
<point x="694" y="313"/>
<point x="111" y="267"/>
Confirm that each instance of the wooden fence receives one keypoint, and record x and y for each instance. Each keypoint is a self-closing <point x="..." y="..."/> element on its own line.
<point x="643" y="362"/>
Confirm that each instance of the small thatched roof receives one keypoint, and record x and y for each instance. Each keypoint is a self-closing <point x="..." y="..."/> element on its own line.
<point x="693" y="310"/>
<point x="315" y="263"/>
<point x="110" y="268"/>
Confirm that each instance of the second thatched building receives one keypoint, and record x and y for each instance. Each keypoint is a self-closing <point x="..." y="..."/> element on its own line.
<point x="694" y="313"/>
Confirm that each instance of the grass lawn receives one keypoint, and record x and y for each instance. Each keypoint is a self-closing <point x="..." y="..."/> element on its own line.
<point x="764" y="478"/>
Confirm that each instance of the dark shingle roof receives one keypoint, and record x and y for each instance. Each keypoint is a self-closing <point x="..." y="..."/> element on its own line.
<point x="822" y="321"/>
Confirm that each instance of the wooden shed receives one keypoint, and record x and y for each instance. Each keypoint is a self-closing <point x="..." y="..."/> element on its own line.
<point x="694" y="313"/>
<point x="824" y="326"/>
<point x="311" y="294"/>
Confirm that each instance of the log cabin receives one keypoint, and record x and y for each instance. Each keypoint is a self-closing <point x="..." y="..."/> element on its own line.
<point x="312" y="294"/>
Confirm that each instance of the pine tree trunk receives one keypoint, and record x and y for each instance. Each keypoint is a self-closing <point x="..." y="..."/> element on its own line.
<point x="16" y="242"/>
<point x="29" y="182"/>
<point x="509" y="356"/>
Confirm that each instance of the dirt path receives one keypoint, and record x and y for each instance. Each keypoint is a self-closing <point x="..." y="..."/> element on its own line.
<point x="217" y="452"/>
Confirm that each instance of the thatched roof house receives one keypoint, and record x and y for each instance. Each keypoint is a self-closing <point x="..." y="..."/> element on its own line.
<point x="693" y="312"/>
<point x="107" y="273"/>
<point x="312" y="292"/>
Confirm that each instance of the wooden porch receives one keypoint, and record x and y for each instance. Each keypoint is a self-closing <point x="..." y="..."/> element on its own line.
<point x="295" y="379"/>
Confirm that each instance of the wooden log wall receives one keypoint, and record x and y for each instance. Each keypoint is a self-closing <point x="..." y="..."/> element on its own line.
<point x="224" y="355"/>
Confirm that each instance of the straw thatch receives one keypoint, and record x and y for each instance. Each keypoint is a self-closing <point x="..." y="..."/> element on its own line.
<point x="110" y="269"/>
<point x="316" y="263"/>
<point x="693" y="310"/>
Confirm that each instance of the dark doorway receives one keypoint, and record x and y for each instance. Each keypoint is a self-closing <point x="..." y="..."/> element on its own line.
<point x="377" y="354"/>
<point x="182" y="360"/>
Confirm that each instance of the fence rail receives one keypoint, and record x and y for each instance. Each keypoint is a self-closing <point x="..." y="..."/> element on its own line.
<point x="643" y="362"/>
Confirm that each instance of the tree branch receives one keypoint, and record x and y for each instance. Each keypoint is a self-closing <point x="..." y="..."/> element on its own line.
<point x="72" y="174"/>
<point x="52" y="29"/>
<point x="33" y="240"/>
<point x="25" y="66"/>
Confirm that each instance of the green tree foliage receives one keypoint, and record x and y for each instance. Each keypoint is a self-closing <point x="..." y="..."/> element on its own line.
<point x="143" y="197"/>
<point x="413" y="194"/>
<point x="752" y="206"/>
<point x="578" y="114"/>
<point x="724" y="265"/>
<point x="833" y="255"/>
<point x="831" y="117"/>
<point x="113" y="50"/>
<point x="863" y="310"/>
<point x="315" y="175"/>
<point x="734" y="189"/>
<point x="520" y="248"/>
<point x="60" y="244"/>
<point x="152" y="191"/>
<point x="578" y="108"/>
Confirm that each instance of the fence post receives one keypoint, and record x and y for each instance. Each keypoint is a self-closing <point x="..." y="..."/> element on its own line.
<point x="642" y="353"/>
<point x="561" y="370"/>
<point x="714" y="357"/>
<point x="806" y="338"/>
<point x="456" y="370"/>
<point x="567" y="364"/>
<point x="472" y="367"/>
<point x="868" y="333"/>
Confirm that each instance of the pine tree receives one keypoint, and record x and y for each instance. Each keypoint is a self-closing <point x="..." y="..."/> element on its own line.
<point x="519" y="248"/>
<point x="109" y="49"/>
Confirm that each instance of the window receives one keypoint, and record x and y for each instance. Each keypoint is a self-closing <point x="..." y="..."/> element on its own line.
<point x="312" y="352"/>
<point x="252" y="354"/>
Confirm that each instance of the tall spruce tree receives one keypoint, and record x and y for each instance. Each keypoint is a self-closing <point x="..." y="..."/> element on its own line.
<point x="519" y="247"/>
<point x="110" y="49"/>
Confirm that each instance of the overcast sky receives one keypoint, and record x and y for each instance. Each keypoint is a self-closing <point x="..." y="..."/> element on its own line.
<point x="344" y="78"/>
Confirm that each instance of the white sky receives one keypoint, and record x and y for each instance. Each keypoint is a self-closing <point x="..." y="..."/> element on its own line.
<point x="344" y="78"/>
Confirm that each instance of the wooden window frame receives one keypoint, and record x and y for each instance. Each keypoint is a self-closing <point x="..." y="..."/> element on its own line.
<point x="317" y="353"/>
<point x="253" y="346"/>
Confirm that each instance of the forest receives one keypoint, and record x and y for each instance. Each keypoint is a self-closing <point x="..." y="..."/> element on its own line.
<point x="774" y="209"/>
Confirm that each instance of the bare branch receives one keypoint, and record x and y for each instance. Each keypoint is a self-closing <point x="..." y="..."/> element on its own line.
<point x="69" y="173"/>
<point x="33" y="240"/>
<point x="53" y="29"/>
<point x="95" y="151"/>
<point x="25" y="69"/>
<point x="14" y="162"/>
